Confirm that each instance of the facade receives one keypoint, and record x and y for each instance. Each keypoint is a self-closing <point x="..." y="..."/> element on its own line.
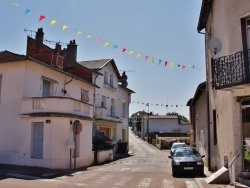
<point x="198" y="120"/>
<point x="46" y="107"/>
<point x="227" y="34"/>
<point x="112" y="100"/>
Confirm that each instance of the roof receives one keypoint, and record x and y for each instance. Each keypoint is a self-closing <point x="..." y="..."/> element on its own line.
<point x="164" y="117"/>
<point x="201" y="87"/>
<point x="6" y="56"/>
<point x="204" y="13"/>
<point x="99" y="64"/>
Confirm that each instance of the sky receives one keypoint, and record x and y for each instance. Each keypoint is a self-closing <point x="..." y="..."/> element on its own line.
<point x="155" y="42"/>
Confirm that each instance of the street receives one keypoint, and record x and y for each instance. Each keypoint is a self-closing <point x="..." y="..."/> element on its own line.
<point x="146" y="167"/>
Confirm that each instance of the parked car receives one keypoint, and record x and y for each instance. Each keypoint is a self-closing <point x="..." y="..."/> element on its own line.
<point x="176" y="145"/>
<point x="187" y="159"/>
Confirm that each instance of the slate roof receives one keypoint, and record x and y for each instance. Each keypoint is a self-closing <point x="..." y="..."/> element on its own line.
<point x="99" y="64"/>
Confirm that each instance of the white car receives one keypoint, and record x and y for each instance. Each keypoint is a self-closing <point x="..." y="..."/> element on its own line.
<point x="177" y="145"/>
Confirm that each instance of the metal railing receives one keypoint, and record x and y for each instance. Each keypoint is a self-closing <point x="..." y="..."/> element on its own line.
<point x="231" y="70"/>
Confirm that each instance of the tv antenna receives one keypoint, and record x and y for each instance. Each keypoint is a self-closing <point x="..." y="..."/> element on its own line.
<point x="214" y="45"/>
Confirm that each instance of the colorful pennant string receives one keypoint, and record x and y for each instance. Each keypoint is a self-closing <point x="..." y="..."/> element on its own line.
<point x="115" y="46"/>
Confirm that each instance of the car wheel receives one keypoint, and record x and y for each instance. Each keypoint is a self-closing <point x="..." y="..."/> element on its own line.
<point x="174" y="173"/>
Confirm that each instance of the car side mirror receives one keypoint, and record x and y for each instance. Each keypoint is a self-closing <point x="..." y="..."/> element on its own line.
<point x="170" y="157"/>
<point x="202" y="156"/>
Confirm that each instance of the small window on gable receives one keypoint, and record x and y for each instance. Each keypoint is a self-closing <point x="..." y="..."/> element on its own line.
<point x="105" y="77"/>
<point x="111" y="80"/>
<point x="1" y="77"/>
<point x="84" y="95"/>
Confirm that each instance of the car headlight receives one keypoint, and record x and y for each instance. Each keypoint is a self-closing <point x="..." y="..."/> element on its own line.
<point x="200" y="163"/>
<point x="176" y="163"/>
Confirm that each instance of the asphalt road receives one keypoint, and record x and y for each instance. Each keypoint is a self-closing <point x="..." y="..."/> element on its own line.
<point x="146" y="167"/>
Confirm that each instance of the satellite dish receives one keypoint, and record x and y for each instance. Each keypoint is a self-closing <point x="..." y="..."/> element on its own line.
<point x="214" y="45"/>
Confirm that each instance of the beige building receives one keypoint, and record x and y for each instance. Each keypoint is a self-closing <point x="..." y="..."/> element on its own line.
<point x="198" y="121"/>
<point x="226" y="28"/>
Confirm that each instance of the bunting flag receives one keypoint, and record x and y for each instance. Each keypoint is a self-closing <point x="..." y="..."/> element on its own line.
<point x="64" y="27"/>
<point x="27" y="11"/>
<point x="53" y="22"/>
<point x="107" y="44"/>
<point x="115" y="46"/>
<point x="79" y="33"/>
<point x="41" y="17"/>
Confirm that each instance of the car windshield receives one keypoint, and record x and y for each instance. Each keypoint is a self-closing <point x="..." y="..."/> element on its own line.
<point x="186" y="152"/>
<point x="178" y="145"/>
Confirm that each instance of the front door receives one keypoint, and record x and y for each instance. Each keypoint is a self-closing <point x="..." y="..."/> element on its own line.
<point x="246" y="134"/>
<point x="37" y="140"/>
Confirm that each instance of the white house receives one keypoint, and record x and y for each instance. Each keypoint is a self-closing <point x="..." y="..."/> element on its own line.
<point x="112" y="100"/>
<point x="226" y="28"/>
<point x="46" y="107"/>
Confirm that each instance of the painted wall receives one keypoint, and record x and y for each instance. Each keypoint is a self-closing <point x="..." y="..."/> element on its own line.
<point x="228" y="112"/>
<point x="22" y="80"/>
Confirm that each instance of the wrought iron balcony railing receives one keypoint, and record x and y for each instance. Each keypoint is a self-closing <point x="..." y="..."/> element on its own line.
<point x="231" y="70"/>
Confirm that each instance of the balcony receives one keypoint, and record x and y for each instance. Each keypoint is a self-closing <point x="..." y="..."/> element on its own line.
<point x="56" y="105"/>
<point x="106" y="114"/>
<point x="232" y="71"/>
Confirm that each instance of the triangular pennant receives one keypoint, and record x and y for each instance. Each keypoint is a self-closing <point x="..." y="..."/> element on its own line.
<point x="131" y="52"/>
<point x="115" y="46"/>
<point x="160" y="61"/>
<point x="79" y="33"/>
<point x="53" y="22"/>
<point x="41" y="17"/>
<point x="27" y="11"/>
<point x="15" y="4"/>
<point x="107" y="44"/>
<point x="98" y="40"/>
<point x="166" y="63"/>
<point x="124" y="49"/>
<point x="89" y="36"/>
<point x="146" y="58"/>
<point x="183" y="67"/>
<point x="64" y="27"/>
<point x="171" y="65"/>
<point x="176" y="105"/>
<point x="138" y="55"/>
<point x="153" y="59"/>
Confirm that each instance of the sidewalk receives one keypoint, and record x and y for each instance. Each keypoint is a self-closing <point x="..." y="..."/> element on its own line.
<point x="202" y="183"/>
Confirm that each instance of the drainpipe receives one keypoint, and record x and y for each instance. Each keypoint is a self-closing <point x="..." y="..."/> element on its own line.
<point x="64" y="90"/>
<point x="208" y="118"/>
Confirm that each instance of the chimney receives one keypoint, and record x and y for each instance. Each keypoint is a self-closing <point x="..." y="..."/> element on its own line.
<point x="124" y="79"/>
<point x="71" y="53"/>
<point x="39" y="36"/>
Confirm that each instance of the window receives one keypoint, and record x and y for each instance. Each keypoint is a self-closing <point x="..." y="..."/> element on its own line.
<point x="1" y="77"/>
<point x="37" y="140"/>
<point x="112" y="110"/>
<point x="248" y="32"/>
<point x="111" y="80"/>
<point x="215" y="127"/>
<point x="123" y="134"/>
<point x="84" y="95"/>
<point x="46" y="88"/>
<point x="105" y="77"/>
<point x="124" y="110"/>
<point x="103" y="105"/>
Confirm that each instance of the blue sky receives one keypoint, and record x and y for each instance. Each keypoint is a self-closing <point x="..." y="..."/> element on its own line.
<point x="163" y="30"/>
